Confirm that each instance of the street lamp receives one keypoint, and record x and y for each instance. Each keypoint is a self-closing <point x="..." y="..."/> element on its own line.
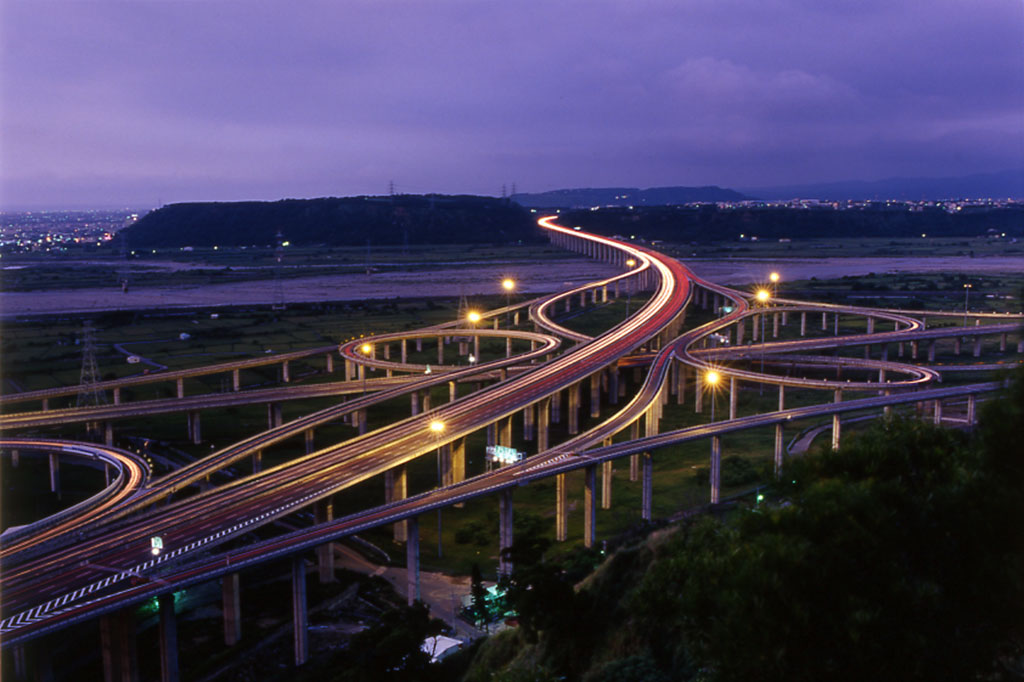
<point x="967" y="293"/>
<point x="366" y="350"/>
<point x="762" y="296"/>
<point x="509" y="285"/>
<point x="711" y="379"/>
<point x="473" y="317"/>
<point x="437" y="428"/>
<point x="629" y="286"/>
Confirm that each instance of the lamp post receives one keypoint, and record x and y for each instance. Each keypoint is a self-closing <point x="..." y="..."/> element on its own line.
<point x="967" y="294"/>
<point x="762" y="296"/>
<point x="366" y="350"/>
<point x="509" y="285"/>
<point x="711" y="379"/>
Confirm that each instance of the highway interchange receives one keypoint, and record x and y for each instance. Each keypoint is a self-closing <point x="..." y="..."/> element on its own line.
<point x="58" y="572"/>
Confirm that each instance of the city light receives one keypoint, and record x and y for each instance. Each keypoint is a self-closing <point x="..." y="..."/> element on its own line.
<point x="366" y="348"/>
<point x="473" y="316"/>
<point x="508" y="284"/>
<point x="437" y="426"/>
<point x="763" y="295"/>
<point x="774" y="277"/>
<point x="630" y="263"/>
<point x="712" y="377"/>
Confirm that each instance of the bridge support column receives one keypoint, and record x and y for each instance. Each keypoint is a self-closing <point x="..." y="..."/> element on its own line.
<point x="574" y="409"/>
<point x="634" y="460"/>
<point x="595" y="395"/>
<point x="561" y="509"/>
<point x="426" y="400"/>
<point x="350" y="370"/>
<point x="286" y="374"/>
<point x="360" y="416"/>
<point x="232" y="607"/>
<point x="733" y="396"/>
<point x="606" y="482"/>
<point x="543" y="424"/>
<point x="836" y="423"/>
<point x="529" y="413"/>
<point x="913" y="350"/>
<point x="824" y="322"/>
<point x="412" y="560"/>
<point x="505" y="432"/>
<point x="274" y="418"/>
<point x="300" y="611"/>
<point x="396" y="488"/>
<point x="117" y="396"/>
<point x="779" y="450"/>
<point x="977" y="346"/>
<point x="236" y="378"/>
<point x="971" y="404"/>
<point x="931" y="351"/>
<point x="444" y="455"/>
<point x="716" y="468"/>
<point x="871" y="325"/>
<point x="681" y="382"/>
<point x="453" y="391"/>
<point x="775" y="325"/>
<point x="803" y="324"/>
<point x="756" y="323"/>
<point x="613" y="385"/>
<point x="414" y="403"/>
<point x="835" y="327"/>
<point x="108" y="432"/>
<point x="647" y="487"/>
<point x="887" y="410"/>
<point x="118" y="647"/>
<point x="181" y="387"/>
<point x="589" y="505"/>
<point x="168" y="633"/>
<point x="330" y="363"/>
<point x="194" y="427"/>
<point x="459" y="462"/>
<point x="938" y="413"/>
<point x="698" y="393"/>
<point x="54" y="474"/>
<point x="1002" y="342"/>
<point x="323" y="511"/>
<point x="741" y="327"/>
<point x="440" y="350"/>
<point x="308" y="438"/>
<point x="506" y="519"/>
<point x="885" y="352"/>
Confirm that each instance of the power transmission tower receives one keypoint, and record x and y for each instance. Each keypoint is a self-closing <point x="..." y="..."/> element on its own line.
<point x="279" y="303"/>
<point x="89" y="392"/>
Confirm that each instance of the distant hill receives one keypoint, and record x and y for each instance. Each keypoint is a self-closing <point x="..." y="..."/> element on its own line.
<point x="349" y="221"/>
<point x="626" y="196"/>
<point x="1002" y="185"/>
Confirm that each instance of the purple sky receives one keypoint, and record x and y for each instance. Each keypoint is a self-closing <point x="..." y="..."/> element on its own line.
<point x="147" y="101"/>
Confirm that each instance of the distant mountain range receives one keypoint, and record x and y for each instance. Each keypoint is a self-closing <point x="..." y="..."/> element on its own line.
<point x="625" y="196"/>
<point x="999" y="185"/>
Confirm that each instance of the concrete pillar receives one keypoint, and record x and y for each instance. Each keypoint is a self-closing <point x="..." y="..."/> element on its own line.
<point x="634" y="460"/>
<point x="756" y="322"/>
<point x="236" y="379"/>
<point x="330" y="363"/>
<point x="938" y="412"/>
<point x="589" y="505"/>
<point x="506" y="521"/>
<point x="194" y="427"/>
<point x="871" y="325"/>
<point x="931" y="351"/>
<point x="300" y="611"/>
<point x="698" y="393"/>
<point x="528" y="422"/>
<point x="574" y="409"/>
<point x="835" y="330"/>
<point x="836" y="421"/>
<point x="232" y="607"/>
<point x="824" y="321"/>
<point x="779" y="449"/>
<point x="606" y="482"/>
<point x="775" y="325"/>
<point x="323" y="511"/>
<point x="681" y="382"/>
<point x="505" y="432"/>
<point x="412" y="561"/>
<point x="118" y="646"/>
<point x="971" y="403"/>
<point x="782" y="397"/>
<point x="716" y="468"/>
<point x="613" y="385"/>
<point x="885" y="352"/>
<point x="360" y="416"/>
<point x="440" y="350"/>
<point x="117" y="396"/>
<point x="453" y="391"/>
<point x="733" y="393"/>
<point x="414" y="403"/>
<point x="741" y="326"/>
<point x="108" y="432"/>
<point x="803" y="323"/>
<point x="396" y="483"/>
<point x="286" y="374"/>
<point x="444" y="454"/>
<point x="54" y="473"/>
<point x="977" y="346"/>
<point x="561" y="509"/>
<point x="913" y="350"/>
<point x="257" y="461"/>
<point x="595" y="395"/>
<point x="274" y="418"/>
<point x="459" y="460"/>
<point x="647" y="487"/>
<point x="1002" y="342"/>
<point x="181" y="387"/>
<point x="543" y="424"/>
<point x="168" y="633"/>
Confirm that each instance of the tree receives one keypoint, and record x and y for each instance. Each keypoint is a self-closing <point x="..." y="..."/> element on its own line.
<point x="479" y="595"/>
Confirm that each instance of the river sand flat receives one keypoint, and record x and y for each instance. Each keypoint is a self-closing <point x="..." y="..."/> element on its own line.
<point x="469" y="280"/>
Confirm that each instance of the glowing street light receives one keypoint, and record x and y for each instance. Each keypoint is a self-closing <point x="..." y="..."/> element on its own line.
<point x="508" y="284"/>
<point x="763" y="295"/>
<point x="366" y="349"/>
<point x="967" y="294"/>
<point x="774" y="277"/>
<point x="437" y="426"/>
<point x="630" y="263"/>
<point x="473" y="317"/>
<point x="711" y="379"/>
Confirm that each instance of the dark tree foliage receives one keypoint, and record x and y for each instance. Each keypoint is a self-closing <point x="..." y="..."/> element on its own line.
<point x="898" y="558"/>
<point x="351" y="221"/>
<point x="391" y="650"/>
<point x="708" y="223"/>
